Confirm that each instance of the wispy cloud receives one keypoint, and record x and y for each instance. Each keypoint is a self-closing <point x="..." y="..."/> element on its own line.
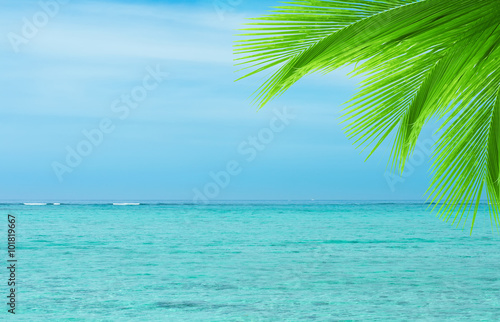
<point x="104" y="30"/>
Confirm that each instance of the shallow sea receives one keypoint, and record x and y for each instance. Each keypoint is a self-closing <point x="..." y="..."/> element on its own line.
<point x="250" y="262"/>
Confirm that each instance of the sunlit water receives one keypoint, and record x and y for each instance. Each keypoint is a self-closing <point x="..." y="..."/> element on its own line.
<point x="244" y="262"/>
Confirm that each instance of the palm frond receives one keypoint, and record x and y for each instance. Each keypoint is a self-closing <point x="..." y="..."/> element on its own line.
<point x="420" y="59"/>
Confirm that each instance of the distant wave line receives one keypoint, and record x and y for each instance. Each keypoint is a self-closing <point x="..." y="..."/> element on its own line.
<point x="235" y="203"/>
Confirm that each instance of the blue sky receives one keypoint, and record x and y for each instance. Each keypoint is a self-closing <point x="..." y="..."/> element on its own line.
<point x="64" y="78"/>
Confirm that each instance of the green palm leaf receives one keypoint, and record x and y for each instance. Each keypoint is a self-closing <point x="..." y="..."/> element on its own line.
<point x="420" y="60"/>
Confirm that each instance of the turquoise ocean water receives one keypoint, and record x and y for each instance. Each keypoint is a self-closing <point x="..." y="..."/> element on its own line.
<point x="250" y="262"/>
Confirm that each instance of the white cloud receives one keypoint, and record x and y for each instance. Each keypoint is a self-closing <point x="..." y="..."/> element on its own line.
<point x="111" y="30"/>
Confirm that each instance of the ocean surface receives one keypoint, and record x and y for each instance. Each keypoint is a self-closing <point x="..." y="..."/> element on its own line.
<point x="275" y="261"/>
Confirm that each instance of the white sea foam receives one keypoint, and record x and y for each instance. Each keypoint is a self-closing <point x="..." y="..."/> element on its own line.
<point x="35" y="204"/>
<point x="56" y="204"/>
<point x="126" y="203"/>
